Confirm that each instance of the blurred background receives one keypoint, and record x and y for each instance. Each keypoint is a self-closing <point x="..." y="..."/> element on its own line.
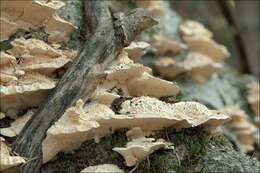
<point x="235" y="24"/>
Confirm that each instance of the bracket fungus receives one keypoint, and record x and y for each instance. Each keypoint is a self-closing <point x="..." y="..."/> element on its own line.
<point x="28" y="73"/>
<point x="130" y="82"/>
<point x="198" y="66"/>
<point x="208" y="47"/>
<point x="179" y="115"/>
<point x="36" y="55"/>
<point x="17" y="125"/>
<point x="94" y="120"/>
<point x="55" y="25"/>
<point x="253" y="98"/>
<point x="109" y="168"/>
<point x="199" y="39"/>
<point x="138" y="149"/>
<point x="164" y="45"/>
<point x="245" y="131"/>
<point x="32" y="13"/>
<point x="134" y="80"/>
<point x="136" y="49"/>
<point x="29" y="91"/>
<point x="192" y="28"/>
<point x="9" y="73"/>
<point x="6" y="159"/>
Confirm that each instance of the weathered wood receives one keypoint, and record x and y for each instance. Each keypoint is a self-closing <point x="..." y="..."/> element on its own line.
<point x="109" y="34"/>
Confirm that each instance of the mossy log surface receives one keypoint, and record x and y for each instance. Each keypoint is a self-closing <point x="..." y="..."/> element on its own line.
<point x="194" y="152"/>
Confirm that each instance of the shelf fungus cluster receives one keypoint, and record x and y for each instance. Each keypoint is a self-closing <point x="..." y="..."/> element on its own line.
<point x="128" y="97"/>
<point x="245" y="131"/>
<point x="202" y="59"/>
<point x="34" y="13"/>
<point x="28" y="73"/>
<point x="253" y="98"/>
<point x="8" y="160"/>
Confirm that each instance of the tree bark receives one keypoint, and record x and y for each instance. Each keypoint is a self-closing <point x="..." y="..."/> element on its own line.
<point x="109" y="33"/>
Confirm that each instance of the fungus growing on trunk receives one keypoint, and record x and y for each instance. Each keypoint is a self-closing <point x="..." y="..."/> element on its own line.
<point x="199" y="39"/>
<point x="28" y="73"/>
<point x="196" y="65"/>
<point x="136" y="49"/>
<point x="34" y="13"/>
<point x="192" y="28"/>
<point x="245" y="131"/>
<point x="164" y="45"/>
<point x="139" y="148"/>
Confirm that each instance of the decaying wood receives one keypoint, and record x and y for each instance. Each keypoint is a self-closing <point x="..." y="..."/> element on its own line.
<point x="109" y="33"/>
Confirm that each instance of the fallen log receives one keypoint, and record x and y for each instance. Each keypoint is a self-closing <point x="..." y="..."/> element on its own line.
<point x="108" y="34"/>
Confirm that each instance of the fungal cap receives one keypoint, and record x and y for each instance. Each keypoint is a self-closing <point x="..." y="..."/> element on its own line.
<point x="136" y="49"/>
<point x="102" y="168"/>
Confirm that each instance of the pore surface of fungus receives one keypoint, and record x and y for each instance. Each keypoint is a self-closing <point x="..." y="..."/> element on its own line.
<point x="95" y="120"/>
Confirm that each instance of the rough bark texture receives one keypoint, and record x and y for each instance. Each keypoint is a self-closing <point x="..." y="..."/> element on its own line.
<point x="108" y="35"/>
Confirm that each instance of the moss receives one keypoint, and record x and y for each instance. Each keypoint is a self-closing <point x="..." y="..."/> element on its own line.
<point x="194" y="141"/>
<point x="38" y="33"/>
<point x="221" y="140"/>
